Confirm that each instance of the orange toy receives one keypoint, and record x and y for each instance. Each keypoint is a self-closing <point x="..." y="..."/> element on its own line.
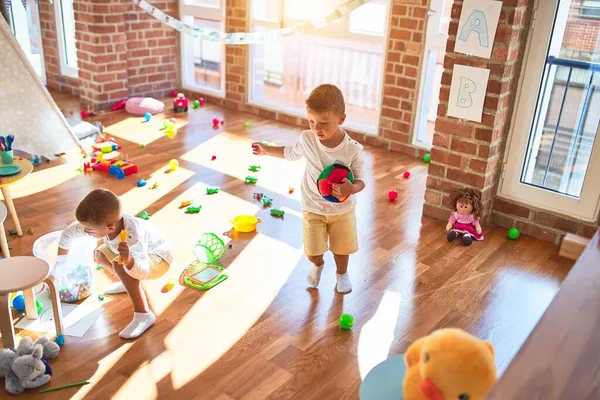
<point x="449" y="364"/>
<point x="123" y="237"/>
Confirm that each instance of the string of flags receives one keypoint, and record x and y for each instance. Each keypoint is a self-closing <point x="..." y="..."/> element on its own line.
<point x="239" y="38"/>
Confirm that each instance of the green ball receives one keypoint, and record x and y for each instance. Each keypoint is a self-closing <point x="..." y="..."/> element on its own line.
<point x="427" y="158"/>
<point x="346" y="321"/>
<point x="39" y="306"/>
<point x="514" y="233"/>
<point x="165" y="124"/>
<point x="196" y="104"/>
<point x="247" y="124"/>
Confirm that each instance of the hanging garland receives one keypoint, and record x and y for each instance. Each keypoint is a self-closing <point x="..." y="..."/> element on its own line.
<point x="249" y="37"/>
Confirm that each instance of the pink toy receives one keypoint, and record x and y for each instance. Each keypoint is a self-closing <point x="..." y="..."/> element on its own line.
<point x="180" y="103"/>
<point x="201" y="100"/>
<point x="174" y="93"/>
<point x="392" y="195"/>
<point x="464" y="220"/>
<point x="83" y="113"/>
<point x="215" y="122"/>
<point x="142" y="105"/>
<point x="213" y="158"/>
<point x="407" y="175"/>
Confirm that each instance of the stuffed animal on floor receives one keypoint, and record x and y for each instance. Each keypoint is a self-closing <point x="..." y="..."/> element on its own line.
<point x="333" y="174"/>
<point x="26" y="368"/>
<point x="449" y="364"/>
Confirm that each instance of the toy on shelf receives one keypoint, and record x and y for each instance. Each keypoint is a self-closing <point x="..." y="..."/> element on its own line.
<point x="346" y="321"/>
<point x="254" y="168"/>
<point x="180" y="103"/>
<point x="144" y="215"/>
<point x="464" y="220"/>
<point x="251" y="179"/>
<point x="333" y="174"/>
<point x="214" y="190"/>
<point x="193" y="210"/>
<point x="277" y="212"/>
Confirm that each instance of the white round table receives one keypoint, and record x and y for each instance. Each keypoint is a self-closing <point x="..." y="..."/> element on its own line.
<point x="23" y="273"/>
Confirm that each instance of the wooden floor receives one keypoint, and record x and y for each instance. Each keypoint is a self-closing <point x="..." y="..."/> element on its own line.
<point x="262" y="333"/>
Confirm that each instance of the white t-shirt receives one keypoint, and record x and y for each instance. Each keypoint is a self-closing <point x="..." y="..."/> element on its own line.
<point x="143" y="240"/>
<point x="318" y="157"/>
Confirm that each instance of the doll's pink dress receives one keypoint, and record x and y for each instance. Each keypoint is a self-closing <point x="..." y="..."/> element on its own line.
<point x="465" y="224"/>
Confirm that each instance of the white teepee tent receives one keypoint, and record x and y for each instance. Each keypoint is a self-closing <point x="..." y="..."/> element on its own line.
<point x="26" y="108"/>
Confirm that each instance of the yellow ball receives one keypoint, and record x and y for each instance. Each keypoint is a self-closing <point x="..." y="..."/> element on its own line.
<point x="171" y="134"/>
<point x="173" y="164"/>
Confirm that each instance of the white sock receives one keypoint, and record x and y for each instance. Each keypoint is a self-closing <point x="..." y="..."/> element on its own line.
<point x="141" y="322"/>
<point x="343" y="283"/>
<point x="314" y="275"/>
<point x="115" y="288"/>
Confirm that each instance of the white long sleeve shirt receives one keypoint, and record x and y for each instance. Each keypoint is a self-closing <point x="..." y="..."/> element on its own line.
<point x="318" y="157"/>
<point x="143" y="240"/>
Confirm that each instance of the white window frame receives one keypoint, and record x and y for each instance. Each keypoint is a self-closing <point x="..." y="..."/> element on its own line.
<point x="65" y="70"/>
<point x="587" y="206"/>
<point x="216" y="14"/>
<point x="339" y="29"/>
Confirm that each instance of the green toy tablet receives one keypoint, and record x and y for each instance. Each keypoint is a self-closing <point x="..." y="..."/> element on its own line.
<point x="206" y="277"/>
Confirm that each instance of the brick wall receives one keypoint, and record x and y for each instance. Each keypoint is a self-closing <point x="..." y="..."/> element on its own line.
<point x="467" y="153"/>
<point x="538" y="223"/>
<point x="54" y="79"/>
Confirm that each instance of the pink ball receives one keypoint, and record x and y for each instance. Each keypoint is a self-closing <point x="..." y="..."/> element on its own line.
<point x="215" y="122"/>
<point x="407" y="174"/>
<point x="392" y="195"/>
<point x="174" y="93"/>
<point x="201" y="100"/>
<point x="83" y="113"/>
<point x="222" y="122"/>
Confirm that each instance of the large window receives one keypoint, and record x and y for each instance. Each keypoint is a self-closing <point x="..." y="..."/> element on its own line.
<point x="554" y="156"/>
<point x="203" y="66"/>
<point x="65" y="23"/>
<point x="348" y="53"/>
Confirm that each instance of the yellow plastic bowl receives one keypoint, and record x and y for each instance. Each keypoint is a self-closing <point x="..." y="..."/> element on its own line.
<point x="245" y="223"/>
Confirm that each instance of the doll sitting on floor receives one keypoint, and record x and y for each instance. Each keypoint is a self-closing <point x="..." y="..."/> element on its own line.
<point x="464" y="221"/>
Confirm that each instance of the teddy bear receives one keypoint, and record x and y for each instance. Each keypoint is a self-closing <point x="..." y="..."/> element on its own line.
<point x="449" y="364"/>
<point x="26" y="368"/>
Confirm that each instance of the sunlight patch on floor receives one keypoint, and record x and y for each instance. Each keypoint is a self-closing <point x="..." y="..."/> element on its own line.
<point x="377" y="335"/>
<point x="106" y="365"/>
<point x="225" y="313"/>
<point x="137" y="130"/>
<point x="183" y="231"/>
<point x="140" y="198"/>
<point x="39" y="181"/>
<point x="234" y="156"/>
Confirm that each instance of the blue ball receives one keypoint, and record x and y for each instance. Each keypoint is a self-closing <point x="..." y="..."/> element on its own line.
<point x="60" y="340"/>
<point x="147" y="116"/>
<point x="19" y="303"/>
<point x="141" y="182"/>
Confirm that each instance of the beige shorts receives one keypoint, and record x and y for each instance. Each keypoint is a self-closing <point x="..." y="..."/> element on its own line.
<point x="158" y="266"/>
<point x="336" y="233"/>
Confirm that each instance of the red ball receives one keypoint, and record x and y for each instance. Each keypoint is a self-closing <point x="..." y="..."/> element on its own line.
<point x="222" y="122"/>
<point x="215" y="122"/>
<point x="174" y="93"/>
<point x="83" y="113"/>
<point x="213" y="158"/>
<point x="407" y="174"/>
<point x="392" y="195"/>
<point x="201" y="100"/>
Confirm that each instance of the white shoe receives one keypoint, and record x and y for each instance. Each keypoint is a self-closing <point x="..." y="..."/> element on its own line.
<point x="115" y="288"/>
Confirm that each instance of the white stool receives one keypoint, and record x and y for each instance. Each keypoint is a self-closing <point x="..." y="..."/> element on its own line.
<point x="3" y="241"/>
<point x="23" y="273"/>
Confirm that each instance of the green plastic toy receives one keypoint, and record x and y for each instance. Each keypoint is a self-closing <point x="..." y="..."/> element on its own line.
<point x="251" y="179"/>
<point x="100" y="297"/>
<point x="39" y="306"/>
<point x="254" y="168"/>
<point x="209" y="248"/>
<point x="247" y="124"/>
<point x="212" y="190"/>
<point x="427" y="158"/>
<point x="346" y="321"/>
<point x="196" y="104"/>
<point x="267" y="201"/>
<point x="193" y="210"/>
<point x="277" y="212"/>
<point x="514" y="233"/>
<point x="144" y="215"/>
<point x="206" y="276"/>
